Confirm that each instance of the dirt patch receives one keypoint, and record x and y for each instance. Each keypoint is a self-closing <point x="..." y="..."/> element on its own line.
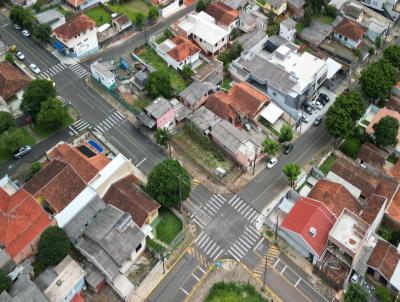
<point x="229" y="271"/>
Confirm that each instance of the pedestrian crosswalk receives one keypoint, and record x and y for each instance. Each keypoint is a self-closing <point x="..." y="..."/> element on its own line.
<point x="208" y="246"/>
<point x="111" y="121"/>
<point x="79" y="126"/>
<point x="203" y="215"/>
<point x="78" y="70"/>
<point x="249" y="238"/>
<point x="62" y="101"/>
<point x="52" y="71"/>
<point x="245" y="210"/>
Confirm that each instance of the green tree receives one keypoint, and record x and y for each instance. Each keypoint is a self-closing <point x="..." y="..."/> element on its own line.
<point x="16" y="14"/>
<point x="270" y="146"/>
<point x="10" y="58"/>
<point x="225" y="58"/>
<point x="5" y="282"/>
<point x="235" y="50"/>
<point x="187" y="72"/>
<point x="392" y="54"/>
<point x="168" y="183"/>
<point x="35" y="168"/>
<point x="286" y="133"/>
<point x="307" y="17"/>
<point x="42" y="32"/>
<point x="371" y="52"/>
<point x="378" y="42"/>
<point x="140" y="20"/>
<point x="159" y="83"/>
<point x="358" y="52"/>
<point x="153" y="13"/>
<point x="331" y="11"/>
<point x="7" y="121"/>
<point x="351" y="147"/>
<point x="292" y="171"/>
<point x="377" y="79"/>
<point x="52" y="114"/>
<point x="53" y="246"/>
<point x="315" y="5"/>
<point x="12" y="139"/>
<point x="37" y="92"/>
<point x="352" y="104"/>
<point x="386" y="130"/>
<point x="356" y="293"/>
<point x="235" y="33"/>
<point x="383" y="294"/>
<point x="201" y="6"/>
<point x="163" y="138"/>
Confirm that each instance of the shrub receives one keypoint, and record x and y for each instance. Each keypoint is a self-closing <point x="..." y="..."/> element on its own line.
<point x="350" y="147"/>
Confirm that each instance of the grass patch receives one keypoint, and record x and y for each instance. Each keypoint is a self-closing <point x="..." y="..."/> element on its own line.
<point x="267" y="125"/>
<point x="130" y="8"/>
<point x="232" y="291"/>
<point x="99" y="14"/>
<point x="141" y="103"/>
<point x="205" y="154"/>
<point x="44" y="133"/>
<point x="269" y="233"/>
<point x="168" y="227"/>
<point x="151" y="57"/>
<point x="365" y="122"/>
<point x="154" y="247"/>
<point x="63" y="10"/>
<point x="327" y="165"/>
<point x="27" y="140"/>
<point x="324" y="19"/>
<point x="392" y="159"/>
<point x="351" y="146"/>
<point x="226" y="84"/>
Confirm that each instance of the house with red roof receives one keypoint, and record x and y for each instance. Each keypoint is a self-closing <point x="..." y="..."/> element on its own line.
<point x="224" y="15"/>
<point x="77" y="38"/>
<point x="307" y="227"/>
<point x="22" y="221"/>
<point x="349" y="33"/>
<point x="179" y="52"/>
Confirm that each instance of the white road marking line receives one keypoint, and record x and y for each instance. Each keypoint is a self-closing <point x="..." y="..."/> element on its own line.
<point x="119" y="114"/>
<point x="243" y="242"/>
<point x="284" y="269"/>
<point x="215" y="251"/>
<point x="215" y="207"/>
<point x="248" y="240"/>
<point x="199" y="236"/>
<point x="204" y="237"/>
<point x="247" y="213"/>
<point x="211" y="248"/>
<point x="200" y="245"/>
<point x="198" y="223"/>
<point x="184" y="291"/>
<point x="238" y="249"/>
<point x="212" y="210"/>
<point x="243" y="209"/>
<point x="258" y="243"/>
<point x="217" y="200"/>
<point x="73" y="130"/>
<point x="252" y="228"/>
<point x="222" y="197"/>
<point x="276" y="263"/>
<point x="114" y="119"/>
<point x="232" y="199"/>
<point x="141" y="162"/>
<point x="238" y="204"/>
<point x="219" y="254"/>
<point x="297" y="283"/>
<point x="194" y="276"/>
<point x="99" y="129"/>
<point x="206" y="246"/>
<point x="233" y="253"/>
<point x="199" y="267"/>
<point x="108" y="123"/>
<point x="240" y="245"/>
<point x="252" y="215"/>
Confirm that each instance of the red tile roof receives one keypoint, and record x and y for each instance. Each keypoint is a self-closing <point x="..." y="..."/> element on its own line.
<point x="382" y="113"/>
<point x="335" y="197"/>
<point x="384" y="258"/>
<point x="393" y="103"/>
<point x="395" y="172"/>
<point x="350" y="29"/>
<point x="372" y="209"/>
<point x="21" y="221"/>
<point x="241" y="99"/>
<point x="373" y="155"/>
<point x="393" y="209"/>
<point x="126" y="195"/>
<point x="86" y="167"/>
<point x="76" y="3"/>
<point x="78" y="298"/>
<point x="183" y="49"/>
<point x="222" y="13"/>
<point x="74" y="26"/>
<point x="12" y="80"/>
<point x="58" y="183"/>
<point x="308" y="213"/>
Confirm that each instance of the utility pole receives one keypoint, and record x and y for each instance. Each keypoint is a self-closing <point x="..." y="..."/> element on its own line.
<point x="265" y="270"/>
<point x="255" y="159"/>
<point x="276" y="227"/>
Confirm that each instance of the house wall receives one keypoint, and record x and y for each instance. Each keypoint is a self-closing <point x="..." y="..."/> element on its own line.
<point x="196" y="105"/>
<point x="276" y="10"/>
<point x="212" y="49"/>
<point x="288" y="34"/>
<point x="170" y="9"/>
<point x="229" y="27"/>
<point x="75" y="46"/>
<point x="166" y="119"/>
<point x="346" y="41"/>
<point x="175" y="64"/>
<point x="375" y="4"/>
<point x="246" y="27"/>
<point x="108" y="82"/>
<point x="27" y="3"/>
<point x="76" y="289"/>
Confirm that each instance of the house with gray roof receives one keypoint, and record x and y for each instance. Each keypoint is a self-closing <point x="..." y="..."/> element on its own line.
<point x="159" y="114"/>
<point x="51" y="17"/>
<point x="195" y="95"/>
<point x="23" y="290"/>
<point x="254" y="40"/>
<point x="113" y="242"/>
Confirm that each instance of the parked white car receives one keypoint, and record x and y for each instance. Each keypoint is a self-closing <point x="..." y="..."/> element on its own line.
<point x="34" y="68"/>
<point x="318" y="105"/>
<point x="20" y="55"/>
<point x="26" y="33"/>
<point x="271" y="163"/>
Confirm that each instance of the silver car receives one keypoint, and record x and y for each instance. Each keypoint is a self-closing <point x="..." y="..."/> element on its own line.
<point x="20" y="55"/>
<point x="22" y="151"/>
<point x="34" y="68"/>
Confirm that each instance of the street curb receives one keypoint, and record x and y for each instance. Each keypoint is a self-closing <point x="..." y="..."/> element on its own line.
<point x="170" y="269"/>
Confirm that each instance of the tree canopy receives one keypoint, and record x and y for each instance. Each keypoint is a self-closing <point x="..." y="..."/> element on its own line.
<point x="37" y="92"/>
<point x="53" y="246"/>
<point x="163" y="137"/>
<point x="201" y="5"/>
<point x="52" y="114"/>
<point x="341" y="117"/>
<point x="159" y="83"/>
<point x="187" y="72"/>
<point x="356" y="293"/>
<point x="5" y="282"/>
<point x="286" y="133"/>
<point x="153" y="13"/>
<point x="12" y="139"/>
<point x="292" y="171"/>
<point x="270" y="146"/>
<point x="7" y="121"/>
<point x="392" y="54"/>
<point x="10" y="58"/>
<point x="386" y="130"/>
<point x="42" y="32"/>
<point x="168" y="183"/>
<point x="377" y="79"/>
<point x="22" y="16"/>
<point x="140" y="20"/>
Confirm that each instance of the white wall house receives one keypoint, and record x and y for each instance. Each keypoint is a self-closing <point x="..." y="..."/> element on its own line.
<point x="202" y="28"/>
<point x="287" y="29"/>
<point x="349" y="33"/>
<point x="101" y="71"/>
<point x="179" y="52"/>
<point x="78" y="37"/>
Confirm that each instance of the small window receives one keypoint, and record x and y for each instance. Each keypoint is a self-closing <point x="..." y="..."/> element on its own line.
<point x="138" y="247"/>
<point x="345" y="38"/>
<point x="340" y="36"/>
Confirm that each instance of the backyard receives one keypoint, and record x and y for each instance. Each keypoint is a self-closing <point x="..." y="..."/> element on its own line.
<point x="327" y="165"/>
<point x="99" y="14"/>
<point x="130" y="8"/>
<point x="27" y="140"/>
<point x="151" y="57"/>
<point x="205" y="154"/>
<point x="168" y="225"/>
<point x="224" y="292"/>
<point x="324" y="19"/>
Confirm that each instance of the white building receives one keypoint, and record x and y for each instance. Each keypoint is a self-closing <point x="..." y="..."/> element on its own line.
<point x="203" y="29"/>
<point x="179" y="52"/>
<point x="287" y="29"/>
<point x="102" y="72"/>
<point x="78" y="37"/>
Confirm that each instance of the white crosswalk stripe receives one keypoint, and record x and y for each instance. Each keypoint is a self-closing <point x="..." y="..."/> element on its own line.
<point x="244" y="243"/>
<point x="79" y="126"/>
<point x="52" y="71"/>
<point x="208" y="246"/>
<point x="243" y="208"/>
<point x="114" y="119"/>
<point x="78" y="70"/>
